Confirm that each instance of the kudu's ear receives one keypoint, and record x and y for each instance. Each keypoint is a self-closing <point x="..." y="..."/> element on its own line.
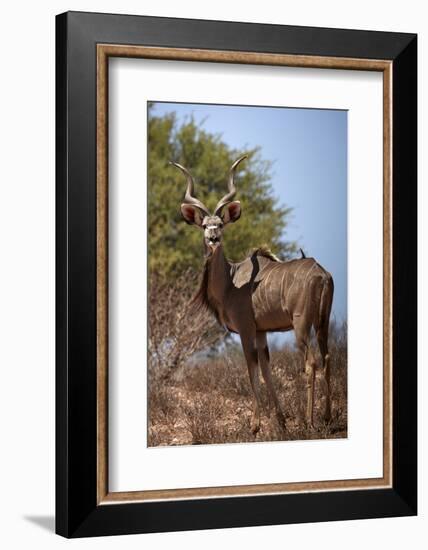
<point x="191" y="214"/>
<point x="231" y="212"/>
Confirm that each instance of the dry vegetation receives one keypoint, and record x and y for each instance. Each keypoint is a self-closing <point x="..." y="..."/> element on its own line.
<point x="199" y="391"/>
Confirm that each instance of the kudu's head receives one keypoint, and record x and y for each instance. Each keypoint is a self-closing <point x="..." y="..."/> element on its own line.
<point x="196" y="213"/>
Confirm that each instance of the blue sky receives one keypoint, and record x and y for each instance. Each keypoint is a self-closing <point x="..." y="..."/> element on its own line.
<point x="308" y="148"/>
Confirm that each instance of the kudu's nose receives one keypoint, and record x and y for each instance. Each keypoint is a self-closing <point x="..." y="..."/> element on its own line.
<point x="212" y="235"/>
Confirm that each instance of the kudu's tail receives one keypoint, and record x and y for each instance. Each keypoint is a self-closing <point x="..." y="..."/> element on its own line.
<point x="326" y="302"/>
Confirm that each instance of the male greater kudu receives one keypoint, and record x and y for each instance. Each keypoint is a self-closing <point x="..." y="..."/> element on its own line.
<point x="262" y="294"/>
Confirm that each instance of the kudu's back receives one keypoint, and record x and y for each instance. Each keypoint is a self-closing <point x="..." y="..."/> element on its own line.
<point x="282" y="292"/>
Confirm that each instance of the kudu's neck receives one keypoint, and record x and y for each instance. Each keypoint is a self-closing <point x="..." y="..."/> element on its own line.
<point x="219" y="277"/>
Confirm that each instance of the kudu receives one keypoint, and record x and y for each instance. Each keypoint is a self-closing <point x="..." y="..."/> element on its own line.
<point x="262" y="294"/>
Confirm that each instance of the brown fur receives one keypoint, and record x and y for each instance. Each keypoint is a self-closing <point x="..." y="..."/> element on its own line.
<point x="201" y="299"/>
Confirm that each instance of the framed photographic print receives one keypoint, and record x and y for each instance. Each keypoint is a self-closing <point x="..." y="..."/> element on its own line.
<point x="236" y="274"/>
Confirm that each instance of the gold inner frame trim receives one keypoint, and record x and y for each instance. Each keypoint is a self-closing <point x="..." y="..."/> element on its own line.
<point x="104" y="51"/>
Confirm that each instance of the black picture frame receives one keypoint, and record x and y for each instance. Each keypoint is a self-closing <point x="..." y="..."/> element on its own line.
<point x="77" y="511"/>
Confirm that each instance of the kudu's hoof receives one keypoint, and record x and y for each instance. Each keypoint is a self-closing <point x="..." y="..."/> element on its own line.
<point x="255" y="427"/>
<point x="309" y="425"/>
<point x="281" y="419"/>
<point x="327" y="418"/>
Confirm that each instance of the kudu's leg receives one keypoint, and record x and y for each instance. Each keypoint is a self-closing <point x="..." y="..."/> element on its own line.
<point x="302" y="331"/>
<point x="322" y="337"/>
<point x="248" y="341"/>
<point x="263" y="352"/>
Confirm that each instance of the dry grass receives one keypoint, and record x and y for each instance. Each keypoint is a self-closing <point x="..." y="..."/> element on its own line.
<point x="208" y="399"/>
<point x="172" y="338"/>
